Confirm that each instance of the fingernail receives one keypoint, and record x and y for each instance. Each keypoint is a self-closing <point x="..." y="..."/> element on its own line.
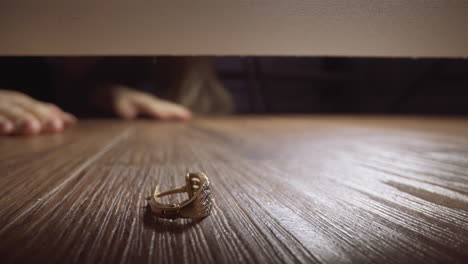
<point x="54" y="125"/>
<point x="6" y="127"/>
<point x="188" y="115"/>
<point x="28" y="126"/>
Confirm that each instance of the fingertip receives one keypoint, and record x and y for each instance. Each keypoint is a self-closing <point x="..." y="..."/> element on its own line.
<point x="125" y="109"/>
<point x="54" y="125"/>
<point x="187" y="115"/>
<point x="187" y="118"/>
<point x="127" y="114"/>
<point x="69" y="119"/>
<point x="163" y="116"/>
<point x="6" y="127"/>
<point x="183" y="115"/>
<point x="28" y="127"/>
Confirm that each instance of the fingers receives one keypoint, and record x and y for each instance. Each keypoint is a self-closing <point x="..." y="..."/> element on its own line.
<point x="125" y="108"/>
<point x="22" y="121"/>
<point x="129" y="103"/>
<point x="6" y="126"/>
<point x="67" y="118"/>
<point x="50" y="120"/>
<point x="161" y="109"/>
<point x="21" y="114"/>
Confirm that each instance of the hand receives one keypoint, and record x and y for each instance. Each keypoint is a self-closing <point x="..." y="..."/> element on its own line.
<point x="129" y="104"/>
<point x="21" y="114"/>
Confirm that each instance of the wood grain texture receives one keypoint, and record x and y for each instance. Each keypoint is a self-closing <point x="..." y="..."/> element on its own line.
<point x="304" y="189"/>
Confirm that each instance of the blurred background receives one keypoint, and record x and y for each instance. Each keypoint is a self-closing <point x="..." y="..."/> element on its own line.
<point x="260" y="85"/>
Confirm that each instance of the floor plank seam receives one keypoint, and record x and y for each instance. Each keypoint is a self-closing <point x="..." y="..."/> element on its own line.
<point x="43" y="200"/>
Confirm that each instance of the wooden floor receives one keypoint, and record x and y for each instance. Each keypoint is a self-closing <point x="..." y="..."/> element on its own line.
<point x="303" y="189"/>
